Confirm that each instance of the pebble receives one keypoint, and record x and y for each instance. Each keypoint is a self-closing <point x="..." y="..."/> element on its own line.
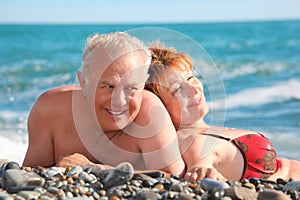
<point x="272" y="195"/>
<point x="121" y="174"/>
<point x="17" y="177"/>
<point x="239" y="192"/>
<point x="295" y="185"/>
<point x="93" y="182"/>
<point x="210" y="184"/>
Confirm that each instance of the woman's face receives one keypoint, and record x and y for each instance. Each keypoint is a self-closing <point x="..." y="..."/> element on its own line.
<point x="184" y="99"/>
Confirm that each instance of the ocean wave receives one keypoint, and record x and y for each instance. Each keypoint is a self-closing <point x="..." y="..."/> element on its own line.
<point x="13" y="147"/>
<point x="286" y="144"/>
<point x="13" y="117"/>
<point x="279" y="92"/>
<point x="230" y="72"/>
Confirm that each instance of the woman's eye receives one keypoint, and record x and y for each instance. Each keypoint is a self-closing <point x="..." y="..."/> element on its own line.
<point x="190" y="78"/>
<point x="176" y="90"/>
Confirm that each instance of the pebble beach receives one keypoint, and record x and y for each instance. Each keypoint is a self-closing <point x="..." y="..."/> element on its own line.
<point x="93" y="182"/>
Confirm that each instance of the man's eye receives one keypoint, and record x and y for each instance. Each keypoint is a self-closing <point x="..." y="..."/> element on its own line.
<point x="132" y="88"/>
<point x="107" y="86"/>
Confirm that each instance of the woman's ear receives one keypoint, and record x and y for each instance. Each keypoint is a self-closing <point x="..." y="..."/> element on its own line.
<point x="83" y="82"/>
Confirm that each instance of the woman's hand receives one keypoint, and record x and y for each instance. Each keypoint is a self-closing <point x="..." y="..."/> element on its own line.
<point x="199" y="173"/>
<point x="287" y="169"/>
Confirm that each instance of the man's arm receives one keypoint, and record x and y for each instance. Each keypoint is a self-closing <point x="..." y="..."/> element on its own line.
<point x="40" y="150"/>
<point x="78" y="159"/>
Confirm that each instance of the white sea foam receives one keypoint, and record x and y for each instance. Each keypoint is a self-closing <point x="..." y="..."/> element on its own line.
<point x="261" y="95"/>
<point x="13" y="135"/>
<point x="14" y="147"/>
<point x="286" y="144"/>
<point x="250" y="68"/>
<point x="9" y="115"/>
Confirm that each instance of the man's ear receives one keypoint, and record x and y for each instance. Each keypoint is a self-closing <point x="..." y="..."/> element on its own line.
<point x="83" y="82"/>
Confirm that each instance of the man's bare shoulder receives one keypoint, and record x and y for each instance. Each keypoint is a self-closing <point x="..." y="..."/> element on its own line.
<point x="55" y="98"/>
<point x="151" y="108"/>
<point x="60" y="92"/>
<point x="150" y="98"/>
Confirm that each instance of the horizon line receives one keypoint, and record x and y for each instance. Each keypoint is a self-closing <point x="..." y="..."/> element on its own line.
<point x="148" y="22"/>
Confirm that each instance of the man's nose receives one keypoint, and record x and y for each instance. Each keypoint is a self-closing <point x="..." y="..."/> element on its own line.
<point x="118" y="98"/>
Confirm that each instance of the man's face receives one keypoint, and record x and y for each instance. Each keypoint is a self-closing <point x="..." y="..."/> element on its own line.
<point x="117" y="93"/>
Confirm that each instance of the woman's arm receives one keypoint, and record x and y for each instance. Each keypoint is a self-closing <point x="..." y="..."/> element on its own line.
<point x="210" y="157"/>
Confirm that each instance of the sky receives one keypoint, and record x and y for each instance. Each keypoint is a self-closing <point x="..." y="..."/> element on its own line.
<point x="141" y="11"/>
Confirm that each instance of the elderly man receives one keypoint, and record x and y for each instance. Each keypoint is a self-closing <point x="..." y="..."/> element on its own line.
<point x="109" y="118"/>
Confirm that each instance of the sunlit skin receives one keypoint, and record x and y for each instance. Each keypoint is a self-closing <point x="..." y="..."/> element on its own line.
<point x="184" y="99"/>
<point x="211" y="165"/>
<point x="171" y="78"/>
<point x="118" y="92"/>
<point x="113" y="103"/>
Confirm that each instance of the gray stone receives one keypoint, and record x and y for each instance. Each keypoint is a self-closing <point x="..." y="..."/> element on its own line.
<point x="86" y="177"/>
<point x="45" y="197"/>
<point x="14" y="177"/>
<point x="52" y="171"/>
<point x="18" y="197"/>
<point x="6" y="164"/>
<point x="29" y="195"/>
<point x="237" y="192"/>
<point x="294" y="185"/>
<point x="75" y="171"/>
<point x="183" y="196"/>
<point x="10" y="165"/>
<point x="16" y="189"/>
<point x="176" y="187"/>
<point x="210" y="184"/>
<point x="5" y="196"/>
<point x="98" y="171"/>
<point x="148" y="195"/>
<point x="119" y="176"/>
<point x="272" y="195"/>
<point x="2" y="161"/>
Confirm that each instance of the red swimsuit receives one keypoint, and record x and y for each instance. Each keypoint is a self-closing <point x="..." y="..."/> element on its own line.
<point x="258" y="152"/>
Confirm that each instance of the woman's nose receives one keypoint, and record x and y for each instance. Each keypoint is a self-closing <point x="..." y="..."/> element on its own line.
<point x="192" y="89"/>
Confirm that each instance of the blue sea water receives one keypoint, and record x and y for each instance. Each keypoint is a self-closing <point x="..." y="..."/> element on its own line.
<point x="258" y="64"/>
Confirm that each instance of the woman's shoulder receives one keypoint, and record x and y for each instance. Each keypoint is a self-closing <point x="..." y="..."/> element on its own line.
<point x="233" y="132"/>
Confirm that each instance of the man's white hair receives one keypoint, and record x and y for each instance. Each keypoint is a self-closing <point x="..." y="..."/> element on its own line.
<point x="112" y="45"/>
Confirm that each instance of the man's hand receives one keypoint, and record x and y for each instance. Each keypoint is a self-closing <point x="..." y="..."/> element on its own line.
<point x="199" y="173"/>
<point x="79" y="160"/>
<point x="72" y="160"/>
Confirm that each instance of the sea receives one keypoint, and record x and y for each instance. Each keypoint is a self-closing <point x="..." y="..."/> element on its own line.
<point x="250" y="70"/>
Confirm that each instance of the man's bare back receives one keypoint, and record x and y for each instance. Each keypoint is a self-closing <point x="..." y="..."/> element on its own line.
<point x="53" y="130"/>
<point x="54" y="133"/>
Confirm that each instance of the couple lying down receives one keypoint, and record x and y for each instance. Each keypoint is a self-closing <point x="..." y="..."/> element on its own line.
<point x="110" y="118"/>
<point x="213" y="152"/>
